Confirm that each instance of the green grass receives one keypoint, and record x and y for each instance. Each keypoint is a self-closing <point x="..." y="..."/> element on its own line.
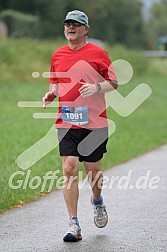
<point x="142" y="131"/>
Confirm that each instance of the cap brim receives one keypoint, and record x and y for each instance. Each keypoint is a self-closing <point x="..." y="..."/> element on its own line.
<point x="74" y="19"/>
<point x="77" y="21"/>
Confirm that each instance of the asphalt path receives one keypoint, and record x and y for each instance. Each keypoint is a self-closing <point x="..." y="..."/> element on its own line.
<point x="136" y="198"/>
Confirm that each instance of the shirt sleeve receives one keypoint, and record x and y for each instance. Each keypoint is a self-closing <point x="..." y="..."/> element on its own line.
<point x="106" y="68"/>
<point x="52" y="72"/>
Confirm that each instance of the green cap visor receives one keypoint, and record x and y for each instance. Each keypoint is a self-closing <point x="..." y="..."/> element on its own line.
<point x="77" y="16"/>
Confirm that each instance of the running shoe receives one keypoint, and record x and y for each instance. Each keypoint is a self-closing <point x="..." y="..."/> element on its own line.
<point x="74" y="232"/>
<point x="100" y="215"/>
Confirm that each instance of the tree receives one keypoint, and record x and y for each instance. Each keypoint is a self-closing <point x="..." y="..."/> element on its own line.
<point x="157" y="25"/>
<point x="115" y="21"/>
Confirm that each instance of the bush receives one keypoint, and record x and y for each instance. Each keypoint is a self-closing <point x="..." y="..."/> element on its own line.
<point x="136" y="58"/>
<point x="20" y="57"/>
<point x="20" y="24"/>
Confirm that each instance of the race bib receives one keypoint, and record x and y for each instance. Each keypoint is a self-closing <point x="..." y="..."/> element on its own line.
<point x="75" y="115"/>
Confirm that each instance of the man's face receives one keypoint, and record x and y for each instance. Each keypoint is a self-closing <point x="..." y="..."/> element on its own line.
<point x="74" y="30"/>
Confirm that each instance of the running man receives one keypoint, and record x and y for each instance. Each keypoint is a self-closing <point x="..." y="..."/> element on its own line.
<point x="82" y="121"/>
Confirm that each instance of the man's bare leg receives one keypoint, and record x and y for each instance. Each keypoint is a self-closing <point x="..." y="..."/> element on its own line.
<point x="93" y="169"/>
<point x="95" y="178"/>
<point x="70" y="191"/>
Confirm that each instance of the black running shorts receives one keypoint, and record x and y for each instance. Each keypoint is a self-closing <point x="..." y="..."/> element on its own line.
<point x="88" y="145"/>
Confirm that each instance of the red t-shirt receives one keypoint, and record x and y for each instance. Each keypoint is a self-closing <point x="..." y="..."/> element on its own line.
<point x="89" y="64"/>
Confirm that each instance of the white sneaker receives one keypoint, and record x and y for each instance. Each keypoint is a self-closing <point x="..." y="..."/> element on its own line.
<point x="74" y="232"/>
<point x="100" y="215"/>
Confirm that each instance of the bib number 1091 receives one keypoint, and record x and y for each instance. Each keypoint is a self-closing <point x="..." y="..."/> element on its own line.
<point x="76" y="116"/>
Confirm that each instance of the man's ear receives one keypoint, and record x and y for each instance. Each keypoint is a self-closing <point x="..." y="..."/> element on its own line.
<point x="86" y="30"/>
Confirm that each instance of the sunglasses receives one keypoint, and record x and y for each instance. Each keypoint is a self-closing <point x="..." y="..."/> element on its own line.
<point x="75" y="24"/>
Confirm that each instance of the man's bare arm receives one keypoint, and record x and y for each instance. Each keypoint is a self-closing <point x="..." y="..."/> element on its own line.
<point x="51" y="95"/>
<point x="101" y="87"/>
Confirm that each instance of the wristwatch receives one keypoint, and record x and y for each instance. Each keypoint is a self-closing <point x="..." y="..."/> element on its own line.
<point x="98" y="87"/>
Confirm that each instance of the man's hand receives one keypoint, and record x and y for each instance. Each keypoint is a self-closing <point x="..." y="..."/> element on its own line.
<point x="87" y="89"/>
<point x="48" y="98"/>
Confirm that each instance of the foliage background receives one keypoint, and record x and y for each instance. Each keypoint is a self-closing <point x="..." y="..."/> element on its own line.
<point x="114" y="21"/>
